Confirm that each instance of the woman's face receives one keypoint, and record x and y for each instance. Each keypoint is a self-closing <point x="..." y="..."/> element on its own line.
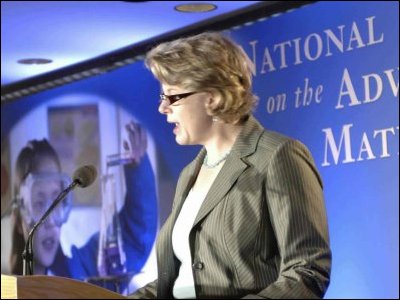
<point x="47" y="236"/>
<point x="191" y="122"/>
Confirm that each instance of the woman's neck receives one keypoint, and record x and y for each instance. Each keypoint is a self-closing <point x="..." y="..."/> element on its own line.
<point x="222" y="138"/>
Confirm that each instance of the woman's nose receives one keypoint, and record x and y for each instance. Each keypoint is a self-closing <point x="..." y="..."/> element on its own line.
<point x="163" y="108"/>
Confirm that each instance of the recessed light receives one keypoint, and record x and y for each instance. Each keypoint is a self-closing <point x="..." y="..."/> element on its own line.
<point x="195" y="7"/>
<point x="34" y="61"/>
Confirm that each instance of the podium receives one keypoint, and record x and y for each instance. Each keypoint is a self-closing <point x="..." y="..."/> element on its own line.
<point x="51" y="287"/>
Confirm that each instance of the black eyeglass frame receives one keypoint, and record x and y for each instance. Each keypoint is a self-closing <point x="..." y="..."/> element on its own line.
<point x="174" y="98"/>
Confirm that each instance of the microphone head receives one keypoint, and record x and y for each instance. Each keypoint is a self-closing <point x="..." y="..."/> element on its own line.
<point x="85" y="175"/>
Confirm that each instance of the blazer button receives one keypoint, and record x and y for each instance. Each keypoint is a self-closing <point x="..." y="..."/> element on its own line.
<point x="198" y="265"/>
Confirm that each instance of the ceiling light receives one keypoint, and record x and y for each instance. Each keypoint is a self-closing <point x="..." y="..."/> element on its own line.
<point x="195" y="7"/>
<point x="34" y="61"/>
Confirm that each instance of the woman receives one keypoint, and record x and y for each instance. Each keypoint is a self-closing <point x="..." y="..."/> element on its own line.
<point x="38" y="182"/>
<point x="248" y="218"/>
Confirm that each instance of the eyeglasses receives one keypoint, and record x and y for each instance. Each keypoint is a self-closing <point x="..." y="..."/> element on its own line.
<point x="171" y="99"/>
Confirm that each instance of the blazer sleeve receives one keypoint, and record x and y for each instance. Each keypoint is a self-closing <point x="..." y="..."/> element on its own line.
<point x="149" y="291"/>
<point x="297" y="211"/>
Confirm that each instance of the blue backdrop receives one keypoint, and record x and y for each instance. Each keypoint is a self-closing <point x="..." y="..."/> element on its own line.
<point x="328" y="75"/>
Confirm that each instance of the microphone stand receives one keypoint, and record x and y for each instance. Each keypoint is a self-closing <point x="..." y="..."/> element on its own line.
<point x="27" y="255"/>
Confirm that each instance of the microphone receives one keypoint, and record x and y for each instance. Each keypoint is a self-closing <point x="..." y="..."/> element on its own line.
<point x="83" y="177"/>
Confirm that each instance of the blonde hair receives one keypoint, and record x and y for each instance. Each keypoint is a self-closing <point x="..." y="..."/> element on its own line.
<point x="208" y="62"/>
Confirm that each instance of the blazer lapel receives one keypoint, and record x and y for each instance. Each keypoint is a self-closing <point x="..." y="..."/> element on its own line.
<point x="186" y="182"/>
<point x="235" y="165"/>
<point x="226" y="178"/>
<point x="167" y="263"/>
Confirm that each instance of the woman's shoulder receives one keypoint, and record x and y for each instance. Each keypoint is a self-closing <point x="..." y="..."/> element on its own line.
<point x="272" y="140"/>
<point x="273" y="143"/>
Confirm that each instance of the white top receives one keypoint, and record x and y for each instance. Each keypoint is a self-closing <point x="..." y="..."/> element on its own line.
<point x="184" y="284"/>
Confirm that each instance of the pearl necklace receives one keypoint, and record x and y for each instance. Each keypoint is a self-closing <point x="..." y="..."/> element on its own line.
<point x="213" y="165"/>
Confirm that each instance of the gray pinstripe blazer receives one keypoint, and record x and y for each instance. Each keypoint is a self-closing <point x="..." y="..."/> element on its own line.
<point x="261" y="231"/>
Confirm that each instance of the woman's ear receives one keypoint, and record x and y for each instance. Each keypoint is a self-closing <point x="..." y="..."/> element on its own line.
<point x="212" y="101"/>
